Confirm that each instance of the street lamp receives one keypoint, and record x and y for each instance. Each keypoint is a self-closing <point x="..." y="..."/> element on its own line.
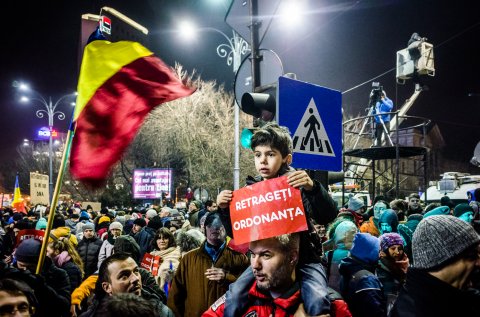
<point x="232" y="50"/>
<point x="50" y="110"/>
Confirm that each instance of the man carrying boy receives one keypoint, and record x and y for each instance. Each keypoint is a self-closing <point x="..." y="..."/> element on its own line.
<point x="272" y="147"/>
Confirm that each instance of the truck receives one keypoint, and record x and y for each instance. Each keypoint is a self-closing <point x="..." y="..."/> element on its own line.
<point x="340" y="196"/>
<point x="455" y="185"/>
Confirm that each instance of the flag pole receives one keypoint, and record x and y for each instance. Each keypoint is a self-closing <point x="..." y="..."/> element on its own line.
<point x="56" y="193"/>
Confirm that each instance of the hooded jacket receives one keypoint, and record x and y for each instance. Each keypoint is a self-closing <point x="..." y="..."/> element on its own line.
<point x="389" y="217"/>
<point x="359" y="285"/>
<point x="343" y="238"/>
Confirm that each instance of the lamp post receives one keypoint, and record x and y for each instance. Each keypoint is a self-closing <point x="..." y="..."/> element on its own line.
<point x="232" y="50"/>
<point x="50" y="111"/>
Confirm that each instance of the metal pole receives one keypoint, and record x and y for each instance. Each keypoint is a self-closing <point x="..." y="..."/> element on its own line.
<point x="236" y="131"/>
<point x="254" y="26"/>
<point x="50" y="165"/>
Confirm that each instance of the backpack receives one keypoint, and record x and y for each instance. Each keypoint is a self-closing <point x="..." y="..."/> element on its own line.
<point x="338" y="306"/>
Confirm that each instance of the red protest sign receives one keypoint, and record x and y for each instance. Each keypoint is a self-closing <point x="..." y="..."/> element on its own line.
<point x="151" y="263"/>
<point x="266" y="209"/>
<point x="29" y="234"/>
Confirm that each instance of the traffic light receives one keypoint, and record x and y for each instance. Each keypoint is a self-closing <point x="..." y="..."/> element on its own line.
<point x="262" y="106"/>
<point x="246" y="137"/>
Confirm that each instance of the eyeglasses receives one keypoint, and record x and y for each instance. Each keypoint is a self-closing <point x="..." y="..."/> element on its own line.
<point x="414" y="200"/>
<point x="9" y="310"/>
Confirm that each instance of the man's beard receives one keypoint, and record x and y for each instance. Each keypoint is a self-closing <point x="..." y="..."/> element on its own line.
<point x="277" y="280"/>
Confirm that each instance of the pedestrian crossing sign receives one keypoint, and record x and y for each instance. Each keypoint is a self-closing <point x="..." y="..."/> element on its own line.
<point x="313" y="114"/>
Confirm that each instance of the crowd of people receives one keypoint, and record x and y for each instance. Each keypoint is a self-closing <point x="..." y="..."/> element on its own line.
<point x="395" y="258"/>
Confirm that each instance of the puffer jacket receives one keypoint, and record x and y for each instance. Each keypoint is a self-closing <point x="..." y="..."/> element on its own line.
<point x="262" y="305"/>
<point x="89" y="249"/>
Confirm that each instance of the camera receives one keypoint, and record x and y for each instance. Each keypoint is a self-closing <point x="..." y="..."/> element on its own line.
<point x="376" y="93"/>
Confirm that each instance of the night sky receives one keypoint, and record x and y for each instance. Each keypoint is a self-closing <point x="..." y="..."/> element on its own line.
<point x="340" y="45"/>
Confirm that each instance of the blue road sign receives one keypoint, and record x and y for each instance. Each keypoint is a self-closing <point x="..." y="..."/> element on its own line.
<point x="313" y="114"/>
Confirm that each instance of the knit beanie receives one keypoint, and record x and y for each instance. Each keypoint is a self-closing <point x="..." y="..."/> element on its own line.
<point x="155" y="223"/>
<point x="151" y="213"/>
<point x="390" y="239"/>
<point x="88" y="226"/>
<point x="197" y="203"/>
<point x="355" y="203"/>
<point x="446" y="201"/>
<point x="366" y="248"/>
<point x="103" y="219"/>
<point x="140" y="221"/>
<point x="28" y="251"/>
<point x="462" y="208"/>
<point x="115" y="225"/>
<point x="84" y="215"/>
<point x="442" y="210"/>
<point x="41" y="224"/>
<point x="440" y="238"/>
<point x="127" y="244"/>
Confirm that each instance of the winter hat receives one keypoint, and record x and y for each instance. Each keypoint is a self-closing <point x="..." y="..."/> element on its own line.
<point x="115" y="225"/>
<point x="136" y="215"/>
<point x="140" y="221"/>
<point x="390" y="217"/>
<point x="41" y="224"/>
<point x="440" y="238"/>
<point x="344" y="234"/>
<point x="28" y="251"/>
<point x="355" y="203"/>
<point x="17" y="216"/>
<point x="197" y="203"/>
<point x="446" y="201"/>
<point x="365" y="248"/>
<point x="87" y="226"/>
<point x="127" y="244"/>
<point x="151" y="213"/>
<point x="84" y="215"/>
<point x="155" y="223"/>
<point x="120" y="219"/>
<point x="442" y="210"/>
<point x="103" y="219"/>
<point x="462" y="208"/>
<point x="390" y="239"/>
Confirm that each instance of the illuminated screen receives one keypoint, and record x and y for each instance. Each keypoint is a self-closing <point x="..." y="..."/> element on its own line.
<point x="150" y="183"/>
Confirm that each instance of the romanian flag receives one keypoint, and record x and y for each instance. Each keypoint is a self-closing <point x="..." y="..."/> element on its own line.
<point x="18" y="204"/>
<point x="119" y="84"/>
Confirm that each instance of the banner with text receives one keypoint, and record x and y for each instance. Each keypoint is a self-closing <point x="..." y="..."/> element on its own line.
<point x="151" y="183"/>
<point x="266" y="209"/>
<point x="25" y="234"/>
<point x="39" y="189"/>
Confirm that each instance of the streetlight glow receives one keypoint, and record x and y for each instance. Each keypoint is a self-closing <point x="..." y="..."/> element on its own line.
<point x="49" y="110"/>
<point x="291" y="13"/>
<point x="187" y="30"/>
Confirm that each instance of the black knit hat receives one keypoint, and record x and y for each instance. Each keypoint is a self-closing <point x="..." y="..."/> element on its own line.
<point x="140" y="221"/>
<point x="438" y="239"/>
<point x="28" y="251"/>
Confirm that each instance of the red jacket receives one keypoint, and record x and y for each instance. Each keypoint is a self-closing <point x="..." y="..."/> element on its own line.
<point x="262" y="305"/>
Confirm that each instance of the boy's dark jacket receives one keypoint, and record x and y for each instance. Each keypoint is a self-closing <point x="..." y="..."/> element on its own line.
<point x="318" y="206"/>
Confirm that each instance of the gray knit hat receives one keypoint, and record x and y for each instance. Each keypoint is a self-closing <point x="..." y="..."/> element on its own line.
<point x="438" y="239"/>
<point x="355" y="203"/>
<point x="87" y="226"/>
